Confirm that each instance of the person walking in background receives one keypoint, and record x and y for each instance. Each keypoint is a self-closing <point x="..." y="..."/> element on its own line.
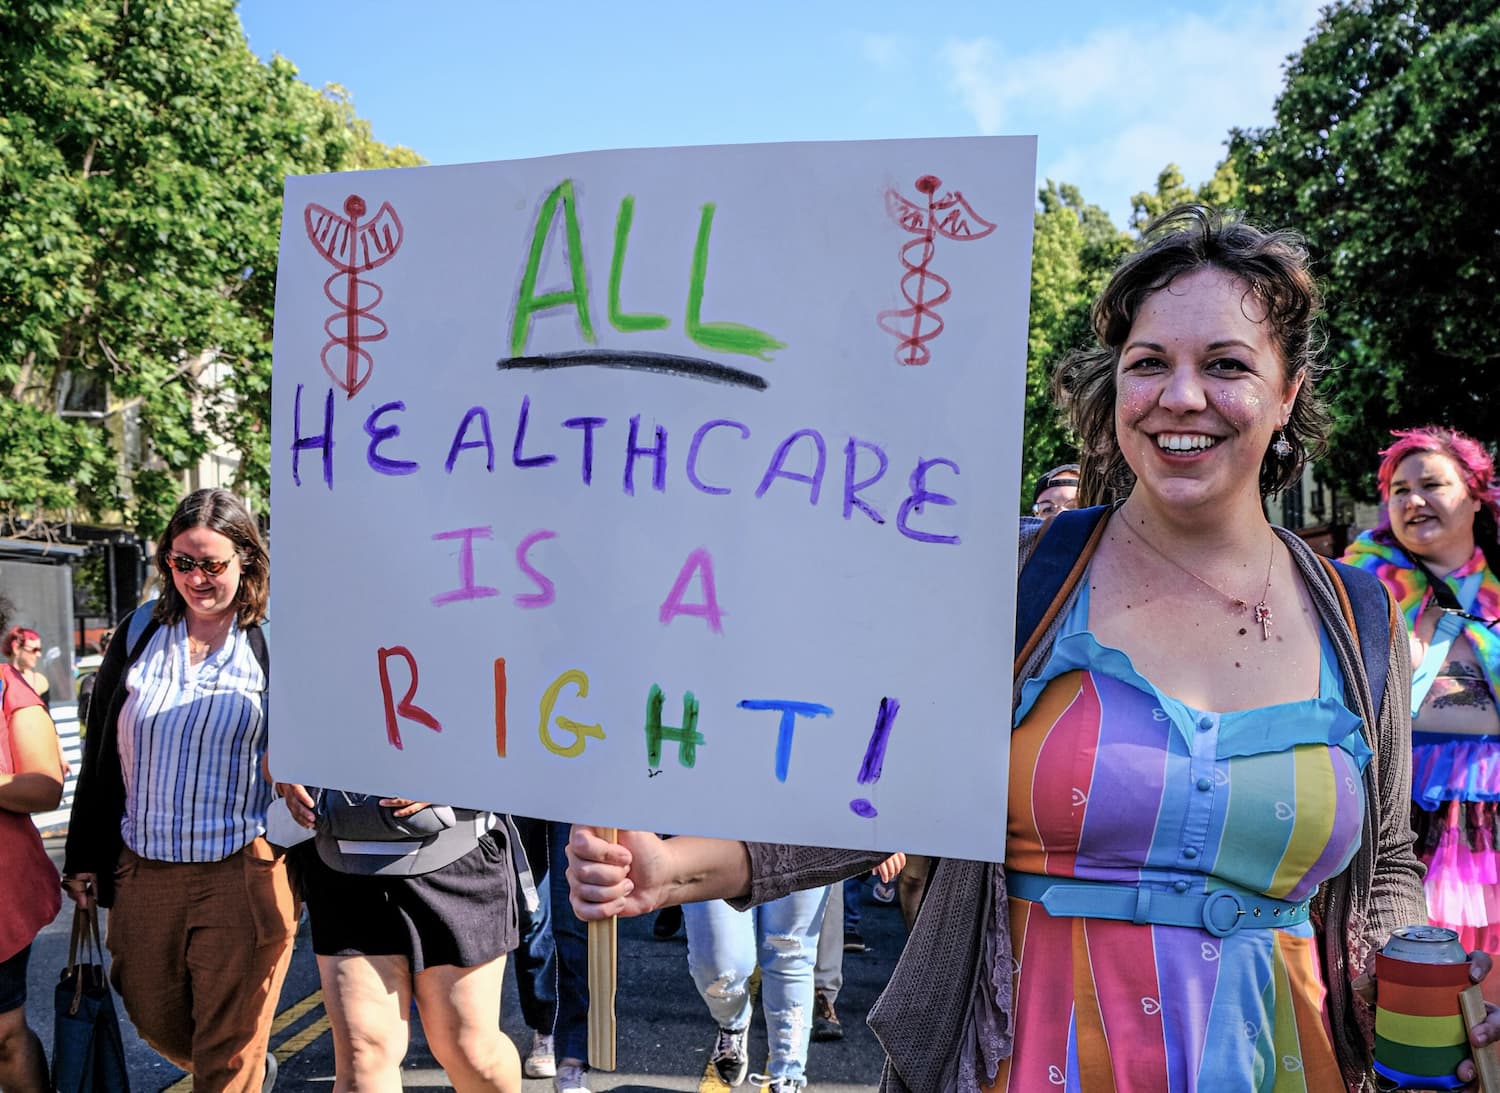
<point x="169" y="816"/>
<point x="725" y="946"/>
<point x="31" y="780"/>
<point x="1197" y="757"/>
<point x="551" y="963"/>
<point x="828" y="969"/>
<point x="1436" y="548"/>
<point x="1056" y="490"/>
<point x="23" y="649"/>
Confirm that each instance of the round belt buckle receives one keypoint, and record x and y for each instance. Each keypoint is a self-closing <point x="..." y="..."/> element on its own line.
<point x="1221" y="913"/>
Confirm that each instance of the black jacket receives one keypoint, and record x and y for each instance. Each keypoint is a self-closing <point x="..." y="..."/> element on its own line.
<point x="94" y="838"/>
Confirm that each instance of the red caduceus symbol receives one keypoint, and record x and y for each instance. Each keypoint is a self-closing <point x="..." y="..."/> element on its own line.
<point x="949" y="216"/>
<point x="353" y="247"/>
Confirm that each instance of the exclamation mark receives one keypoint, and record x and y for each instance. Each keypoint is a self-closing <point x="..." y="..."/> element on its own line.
<point x="869" y="770"/>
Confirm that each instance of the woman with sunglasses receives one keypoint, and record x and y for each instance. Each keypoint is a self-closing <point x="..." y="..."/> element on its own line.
<point x="169" y="820"/>
<point x="23" y="648"/>
<point x="1436" y="547"/>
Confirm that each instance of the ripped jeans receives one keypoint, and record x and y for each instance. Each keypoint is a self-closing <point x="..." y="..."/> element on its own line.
<point x="724" y="946"/>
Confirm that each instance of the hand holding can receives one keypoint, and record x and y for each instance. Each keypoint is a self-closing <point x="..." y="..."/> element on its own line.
<point x="1421" y="1030"/>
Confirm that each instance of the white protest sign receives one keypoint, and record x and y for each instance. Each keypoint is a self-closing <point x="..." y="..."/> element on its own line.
<point x="671" y="489"/>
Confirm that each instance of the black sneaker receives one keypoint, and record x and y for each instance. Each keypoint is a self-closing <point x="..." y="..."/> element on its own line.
<point x="825" y="1020"/>
<point x="668" y="922"/>
<point x="731" y="1057"/>
<point x="853" y="943"/>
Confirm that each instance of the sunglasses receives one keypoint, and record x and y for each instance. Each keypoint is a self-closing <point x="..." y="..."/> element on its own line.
<point x="183" y="564"/>
<point x="31" y="648"/>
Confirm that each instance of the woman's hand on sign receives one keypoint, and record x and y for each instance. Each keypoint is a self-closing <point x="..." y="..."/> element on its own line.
<point x="608" y="879"/>
<point x="298" y="802"/>
<point x="404" y="806"/>
<point x="642" y="872"/>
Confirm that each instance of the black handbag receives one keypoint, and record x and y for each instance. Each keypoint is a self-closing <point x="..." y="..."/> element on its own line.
<point x="88" y="1055"/>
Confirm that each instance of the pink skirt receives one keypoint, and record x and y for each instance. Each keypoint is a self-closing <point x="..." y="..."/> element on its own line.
<point x="1456" y="817"/>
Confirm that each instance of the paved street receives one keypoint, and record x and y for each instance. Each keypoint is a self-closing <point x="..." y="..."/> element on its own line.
<point x="665" y="1033"/>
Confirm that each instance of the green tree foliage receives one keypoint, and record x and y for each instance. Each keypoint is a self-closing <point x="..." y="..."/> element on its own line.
<point x="143" y="149"/>
<point x="1221" y="191"/>
<point x="367" y="153"/>
<point x="1073" y="248"/>
<point x="1384" y="152"/>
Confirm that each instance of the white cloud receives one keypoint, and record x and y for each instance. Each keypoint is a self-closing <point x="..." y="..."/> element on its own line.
<point x="1114" y="107"/>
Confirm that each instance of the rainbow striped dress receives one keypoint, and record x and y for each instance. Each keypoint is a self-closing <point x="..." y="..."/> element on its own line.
<point x="1112" y="780"/>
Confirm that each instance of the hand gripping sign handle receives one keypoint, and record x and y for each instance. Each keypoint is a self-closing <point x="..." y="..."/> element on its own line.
<point x="1471" y="1005"/>
<point x="603" y="977"/>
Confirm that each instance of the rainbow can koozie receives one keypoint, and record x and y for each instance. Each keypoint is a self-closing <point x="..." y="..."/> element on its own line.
<point x="1419" y="1029"/>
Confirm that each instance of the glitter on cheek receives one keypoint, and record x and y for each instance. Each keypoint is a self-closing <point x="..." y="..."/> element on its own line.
<point x="1132" y="401"/>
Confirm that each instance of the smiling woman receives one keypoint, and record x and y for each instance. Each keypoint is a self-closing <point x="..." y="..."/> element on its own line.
<point x="1437" y="549"/>
<point x="1206" y="817"/>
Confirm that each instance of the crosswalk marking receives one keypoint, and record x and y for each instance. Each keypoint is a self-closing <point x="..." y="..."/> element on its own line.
<point x="292" y="1045"/>
<point x="295" y="1011"/>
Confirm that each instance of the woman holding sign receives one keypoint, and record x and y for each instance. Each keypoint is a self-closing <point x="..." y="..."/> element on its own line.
<point x="1207" y="829"/>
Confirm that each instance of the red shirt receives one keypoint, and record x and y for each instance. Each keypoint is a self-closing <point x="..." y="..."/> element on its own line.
<point x="33" y="895"/>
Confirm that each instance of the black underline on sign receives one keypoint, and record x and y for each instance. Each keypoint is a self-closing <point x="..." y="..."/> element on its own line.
<point x="668" y="364"/>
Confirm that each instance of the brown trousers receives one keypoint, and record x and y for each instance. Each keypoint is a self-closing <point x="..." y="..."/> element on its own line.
<point x="198" y="953"/>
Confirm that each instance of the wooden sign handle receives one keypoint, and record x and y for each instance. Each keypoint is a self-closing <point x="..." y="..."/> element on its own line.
<point x="1471" y="1005"/>
<point x="604" y="946"/>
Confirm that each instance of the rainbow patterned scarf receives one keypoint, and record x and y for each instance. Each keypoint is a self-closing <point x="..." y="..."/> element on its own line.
<point x="1408" y="584"/>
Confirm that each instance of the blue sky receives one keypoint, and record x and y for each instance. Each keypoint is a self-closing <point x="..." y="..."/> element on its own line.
<point x="1111" y="97"/>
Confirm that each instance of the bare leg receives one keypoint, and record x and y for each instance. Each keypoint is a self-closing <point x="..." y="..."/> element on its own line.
<point x="23" y="1067"/>
<point x="910" y="885"/>
<point x="460" y="1010"/>
<point x="368" y="999"/>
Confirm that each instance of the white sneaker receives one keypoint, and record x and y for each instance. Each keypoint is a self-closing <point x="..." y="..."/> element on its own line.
<point x="570" y="1079"/>
<point x="540" y="1062"/>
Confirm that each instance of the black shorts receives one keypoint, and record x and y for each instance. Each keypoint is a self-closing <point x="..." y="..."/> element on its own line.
<point x="463" y="914"/>
<point x="13" y="981"/>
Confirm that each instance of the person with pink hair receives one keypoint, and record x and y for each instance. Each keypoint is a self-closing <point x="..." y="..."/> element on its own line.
<point x="1437" y="549"/>
<point x="22" y="647"/>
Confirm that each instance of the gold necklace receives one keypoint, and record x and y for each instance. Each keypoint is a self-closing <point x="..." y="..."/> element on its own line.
<point x="198" y="647"/>
<point x="1262" y="614"/>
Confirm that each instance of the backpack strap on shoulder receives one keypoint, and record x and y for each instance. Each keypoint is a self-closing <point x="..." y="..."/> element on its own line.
<point x="138" y="627"/>
<point x="1371" y="614"/>
<point x="260" y="644"/>
<point x="1064" y="546"/>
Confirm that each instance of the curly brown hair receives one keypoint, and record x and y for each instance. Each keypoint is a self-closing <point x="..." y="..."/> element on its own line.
<point x="221" y="511"/>
<point x="1274" y="267"/>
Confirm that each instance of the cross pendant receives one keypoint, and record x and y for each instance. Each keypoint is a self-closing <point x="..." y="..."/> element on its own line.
<point x="1263" y="617"/>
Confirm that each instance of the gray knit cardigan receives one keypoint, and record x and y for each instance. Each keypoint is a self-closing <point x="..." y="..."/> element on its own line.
<point x="946" y="1017"/>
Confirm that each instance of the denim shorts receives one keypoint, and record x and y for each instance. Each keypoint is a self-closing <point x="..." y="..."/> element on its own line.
<point x="13" y="981"/>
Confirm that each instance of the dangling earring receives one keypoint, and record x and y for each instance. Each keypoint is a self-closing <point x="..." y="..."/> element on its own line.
<point x="1281" y="446"/>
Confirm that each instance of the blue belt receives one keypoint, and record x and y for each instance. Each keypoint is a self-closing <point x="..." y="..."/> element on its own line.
<point x="1221" y="912"/>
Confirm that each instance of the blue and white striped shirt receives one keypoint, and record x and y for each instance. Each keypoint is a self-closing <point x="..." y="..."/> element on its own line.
<point x="192" y="737"/>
